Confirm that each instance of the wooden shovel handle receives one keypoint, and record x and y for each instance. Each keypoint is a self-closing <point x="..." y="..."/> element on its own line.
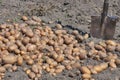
<point x="105" y="11"/>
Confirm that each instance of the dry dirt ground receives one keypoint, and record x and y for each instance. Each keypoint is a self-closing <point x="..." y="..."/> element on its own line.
<point x="70" y="13"/>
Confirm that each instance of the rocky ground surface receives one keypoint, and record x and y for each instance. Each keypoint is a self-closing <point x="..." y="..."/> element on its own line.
<point x="72" y="14"/>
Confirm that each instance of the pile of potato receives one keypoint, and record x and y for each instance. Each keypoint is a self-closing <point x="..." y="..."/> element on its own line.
<point x="52" y="50"/>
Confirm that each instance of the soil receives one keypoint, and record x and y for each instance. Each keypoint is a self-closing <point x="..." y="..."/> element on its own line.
<point x="71" y="14"/>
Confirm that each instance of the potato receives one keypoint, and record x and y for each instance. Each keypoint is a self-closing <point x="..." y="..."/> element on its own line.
<point x="48" y="69"/>
<point x="12" y="32"/>
<point x="80" y="38"/>
<point x="26" y="57"/>
<point x="25" y="40"/>
<point x="2" y="69"/>
<point x="35" y="68"/>
<point x="12" y="47"/>
<point x="24" y="18"/>
<point x="58" y="26"/>
<point x="27" y="71"/>
<point x="102" y="54"/>
<point x="117" y="61"/>
<point x="52" y="71"/>
<point x="86" y="76"/>
<point x="32" y="75"/>
<point x="60" y="58"/>
<point x="34" y="39"/>
<point x="54" y="63"/>
<point x="110" y="48"/>
<point x="49" y="61"/>
<point x="37" y="19"/>
<point x="20" y="60"/>
<point x="85" y="70"/>
<point x="93" y="71"/>
<point x="58" y="70"/>
<point x="76" y="65"/>
<point x="17" y="51"/>
<point x="32" y="23"/>
<point x="82" y="56"/>
<point x="30" y="61"/>
<point x="86" y="36"/>
<point x="60" y="67"/>
<point x="98" y="68"/>
<point x="104" y="66"/>
<point x="112" y="64"/>
<point x="7" y="66"/>
<point x="75" y="32"/>
<point x="68" y="67"/>
<point x="9" y="59"/>
<point x="102" y="44"/>
<point x="76" y="50"/>
<point x="30" y="47"/>
<point x="99" y="47"/>
<point x="14" y="68"/>
<point x="18" y="42"/>
<point x="118" y="47"/>
<point x="110" y="42"/>
<point x="29" y="33"/>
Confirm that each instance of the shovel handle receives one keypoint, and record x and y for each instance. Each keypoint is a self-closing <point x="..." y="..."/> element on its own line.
<point x="105" y="11"/>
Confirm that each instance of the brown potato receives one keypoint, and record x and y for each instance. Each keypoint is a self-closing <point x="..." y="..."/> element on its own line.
<point x="17" y="51"/>
<point x="14" y="68"/>
<point x="30" y="62"/>
<point x="32" y="75"/>
<point x="117" y="61"/>
<point x="102" y="44"/>
<point x="112" y="64"/>
<point x="98" y="68"/>
<point x="86" y="76"/>
<point x="76" y="65"/>
<point x="104" y="66"/>
<point x="57" y="71"/>
<point x="31" y="47"/>
<point x="9" y="59"/>
<point x="60" y="58"/>
<point x="99" y="47"/>
<point x="35" y="68"/>
<point x="20" y="60"/>
<point x="2" y="69"/>
<point x="82" y="56"/>
<point x="111" y="42"/>
<point x="86" y="36"/>
<point x="58" y="26"/>
<point x="27" y="71"/>
<point x="37" y="19"/>
<point x="110" y="48"/>
<point x="24" y="18"/>
<point x="25" y="40"/>
<point x="118" y="47"/>
<point x="85" y="70"/>
<point x="32" y="22"/>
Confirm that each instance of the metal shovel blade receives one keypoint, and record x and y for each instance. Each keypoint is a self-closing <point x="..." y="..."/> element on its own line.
<point x="108" y="30"/>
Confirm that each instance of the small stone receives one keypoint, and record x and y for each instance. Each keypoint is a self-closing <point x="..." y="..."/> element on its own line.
<point x="77" y="73"/>
<point x="50" y="22"/>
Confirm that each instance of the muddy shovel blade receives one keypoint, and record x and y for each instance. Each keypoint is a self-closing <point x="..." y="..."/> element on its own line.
<point x="109" y="27"/>
<point x="95" y="29"/>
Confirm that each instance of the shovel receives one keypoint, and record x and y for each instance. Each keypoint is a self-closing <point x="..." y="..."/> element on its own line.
<point x="103" y="26"/>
